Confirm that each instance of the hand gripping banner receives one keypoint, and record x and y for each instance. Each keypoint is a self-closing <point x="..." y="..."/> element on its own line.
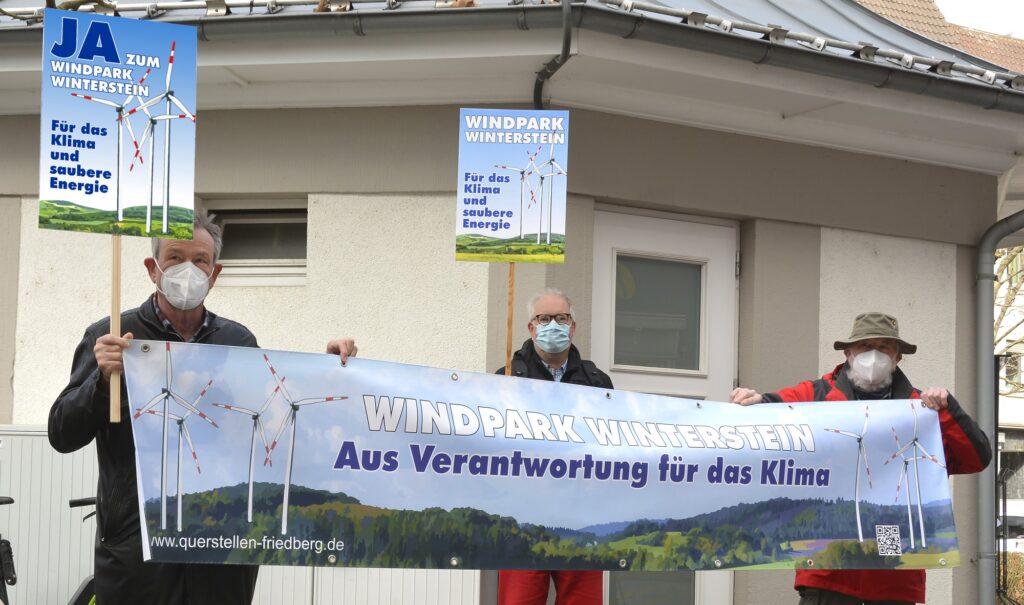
<point x="270" y="457"/>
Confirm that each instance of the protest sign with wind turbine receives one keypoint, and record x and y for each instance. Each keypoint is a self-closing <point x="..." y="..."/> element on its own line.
<point x="82" y="182"/>
<point x="97" y="72"/>
<point x="493" y="207"/>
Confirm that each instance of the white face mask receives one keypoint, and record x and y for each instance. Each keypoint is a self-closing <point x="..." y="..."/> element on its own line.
<point x="184" y="285"/>
<point x="871" y="370"/>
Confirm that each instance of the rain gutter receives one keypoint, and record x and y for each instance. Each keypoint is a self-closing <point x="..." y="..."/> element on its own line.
<point x="986" y="397"/>
<point x="555" y="64"/>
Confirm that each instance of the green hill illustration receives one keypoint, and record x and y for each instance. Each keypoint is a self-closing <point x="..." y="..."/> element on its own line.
<point x="513" y="249"/>
<point x="67" y="216"/>
<point x="777" y="533"/>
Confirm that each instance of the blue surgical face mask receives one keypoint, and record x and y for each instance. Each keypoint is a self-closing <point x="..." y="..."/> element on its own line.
<point x="553" y="337"/>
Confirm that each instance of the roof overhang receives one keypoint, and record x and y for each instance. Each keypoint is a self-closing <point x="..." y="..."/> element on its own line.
<point x="622" y="63"/>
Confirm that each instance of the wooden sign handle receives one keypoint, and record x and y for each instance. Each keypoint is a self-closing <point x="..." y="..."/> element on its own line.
<point x="511" y="302"/>
<point x="115" y="324"/>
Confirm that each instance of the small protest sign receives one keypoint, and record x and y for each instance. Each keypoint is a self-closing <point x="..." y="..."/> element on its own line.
<point x="513" y="170"/>
<point x="117" y="149"/>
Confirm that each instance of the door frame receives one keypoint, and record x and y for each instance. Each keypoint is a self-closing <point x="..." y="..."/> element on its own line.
<point x="710" y="587"/>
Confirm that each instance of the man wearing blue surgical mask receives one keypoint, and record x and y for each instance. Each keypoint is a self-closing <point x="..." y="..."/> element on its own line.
<point x="183" y="272"/>
<point x="550" y="355"/>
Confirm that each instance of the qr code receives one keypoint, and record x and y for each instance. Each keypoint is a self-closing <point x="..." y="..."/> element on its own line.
<point x="888" y="538"/>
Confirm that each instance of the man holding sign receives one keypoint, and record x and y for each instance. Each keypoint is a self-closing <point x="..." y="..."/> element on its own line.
<point x="183" y="272"/>
<point x="550" y="355"/>
<point x="870" y="373"/>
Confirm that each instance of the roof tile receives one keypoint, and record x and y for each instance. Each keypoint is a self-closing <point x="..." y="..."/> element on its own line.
<point x="921" y="16"/>
<point x="925" y="18"/>
<point x="1005" y="51"/>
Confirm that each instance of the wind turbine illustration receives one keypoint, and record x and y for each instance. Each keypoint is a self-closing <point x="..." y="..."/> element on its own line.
<point x="122" y="125"/>
<point x="165" y="396"/>
<point x="182" y="432"/>
<point x="290" y="420"/>
<point x="920" y="453"/>
<point x="533" y="195"/>
<point x="904" y="485"/>
<point x="524" y="174"/>
<point x="556" y="170"/>
<point x="149" y="134"/>
<point x="862" y="455"/>
<point x="257" y="427"/>
<point x="168" y="97"/>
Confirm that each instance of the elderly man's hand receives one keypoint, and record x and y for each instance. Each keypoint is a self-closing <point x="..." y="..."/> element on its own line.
<point x="935" y="399"/>
<point x="345" y="347"/>
<point x="108" y="351"/>
<point x="745" y="396"/>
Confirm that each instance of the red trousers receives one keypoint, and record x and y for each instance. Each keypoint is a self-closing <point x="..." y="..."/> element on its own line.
<point x="528" y="587"/>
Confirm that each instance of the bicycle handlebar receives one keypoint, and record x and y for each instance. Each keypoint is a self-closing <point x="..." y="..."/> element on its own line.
<point x="79" y="502"/>
<point x="6" y="500"/>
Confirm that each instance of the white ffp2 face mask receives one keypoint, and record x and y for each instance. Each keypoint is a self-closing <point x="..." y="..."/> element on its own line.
<point x="872" y="367"/>
<point x="184" y="285"/>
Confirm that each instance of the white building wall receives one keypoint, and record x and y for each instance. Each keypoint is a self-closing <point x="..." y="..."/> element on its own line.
<point x="914" y="281"/>
<point x="63" y="287"/>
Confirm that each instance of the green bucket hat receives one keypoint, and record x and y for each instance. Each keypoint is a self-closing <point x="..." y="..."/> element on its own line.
<point x="875" y="325"/>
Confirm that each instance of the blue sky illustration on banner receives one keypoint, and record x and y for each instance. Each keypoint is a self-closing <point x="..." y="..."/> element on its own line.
<point x="512" y="184"/>
<point x="105" y="77"/>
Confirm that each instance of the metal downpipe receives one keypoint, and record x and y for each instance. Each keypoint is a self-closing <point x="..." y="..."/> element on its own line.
<point x="986" y="398"/>
<point x="555" y="64"/>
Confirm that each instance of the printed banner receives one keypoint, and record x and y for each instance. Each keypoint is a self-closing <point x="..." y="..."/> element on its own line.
<point x="513" y="169"/>
<point x="258" y="456"/>
<point x="117" y="149"/>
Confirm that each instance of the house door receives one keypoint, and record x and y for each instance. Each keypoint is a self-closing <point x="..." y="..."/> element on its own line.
<point x="664" y="322"/>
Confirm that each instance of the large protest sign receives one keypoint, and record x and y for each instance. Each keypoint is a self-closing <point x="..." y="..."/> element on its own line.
<point x="305" y="462"/>
<point x="117" y="152"/>
<point x="513" y="169"/>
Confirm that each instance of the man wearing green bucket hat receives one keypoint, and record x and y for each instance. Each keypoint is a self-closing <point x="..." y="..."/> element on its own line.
<point x="873" y="352"/>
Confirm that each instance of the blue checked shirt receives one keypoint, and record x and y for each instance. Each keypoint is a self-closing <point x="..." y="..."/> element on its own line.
<point x="206" y="322"/>
<point x="558" y="372"/>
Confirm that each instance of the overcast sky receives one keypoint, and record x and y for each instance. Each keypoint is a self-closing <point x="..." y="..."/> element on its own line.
<point x="996" y="16"/>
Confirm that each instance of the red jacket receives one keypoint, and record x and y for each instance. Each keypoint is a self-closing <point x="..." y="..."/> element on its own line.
<point x="967" y="451"/>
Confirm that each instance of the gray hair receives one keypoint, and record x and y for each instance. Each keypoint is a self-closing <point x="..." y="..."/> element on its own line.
<point x="546" y="291"/>
<point x="204" y="221"/>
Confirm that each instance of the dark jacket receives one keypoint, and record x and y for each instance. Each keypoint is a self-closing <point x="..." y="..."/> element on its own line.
<point x="526" y="363"/>
<point x="967" y="450"/>
<point x="81" y="414"/>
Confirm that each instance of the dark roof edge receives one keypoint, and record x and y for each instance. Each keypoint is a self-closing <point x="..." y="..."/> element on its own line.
<point x="604" y="20"/>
